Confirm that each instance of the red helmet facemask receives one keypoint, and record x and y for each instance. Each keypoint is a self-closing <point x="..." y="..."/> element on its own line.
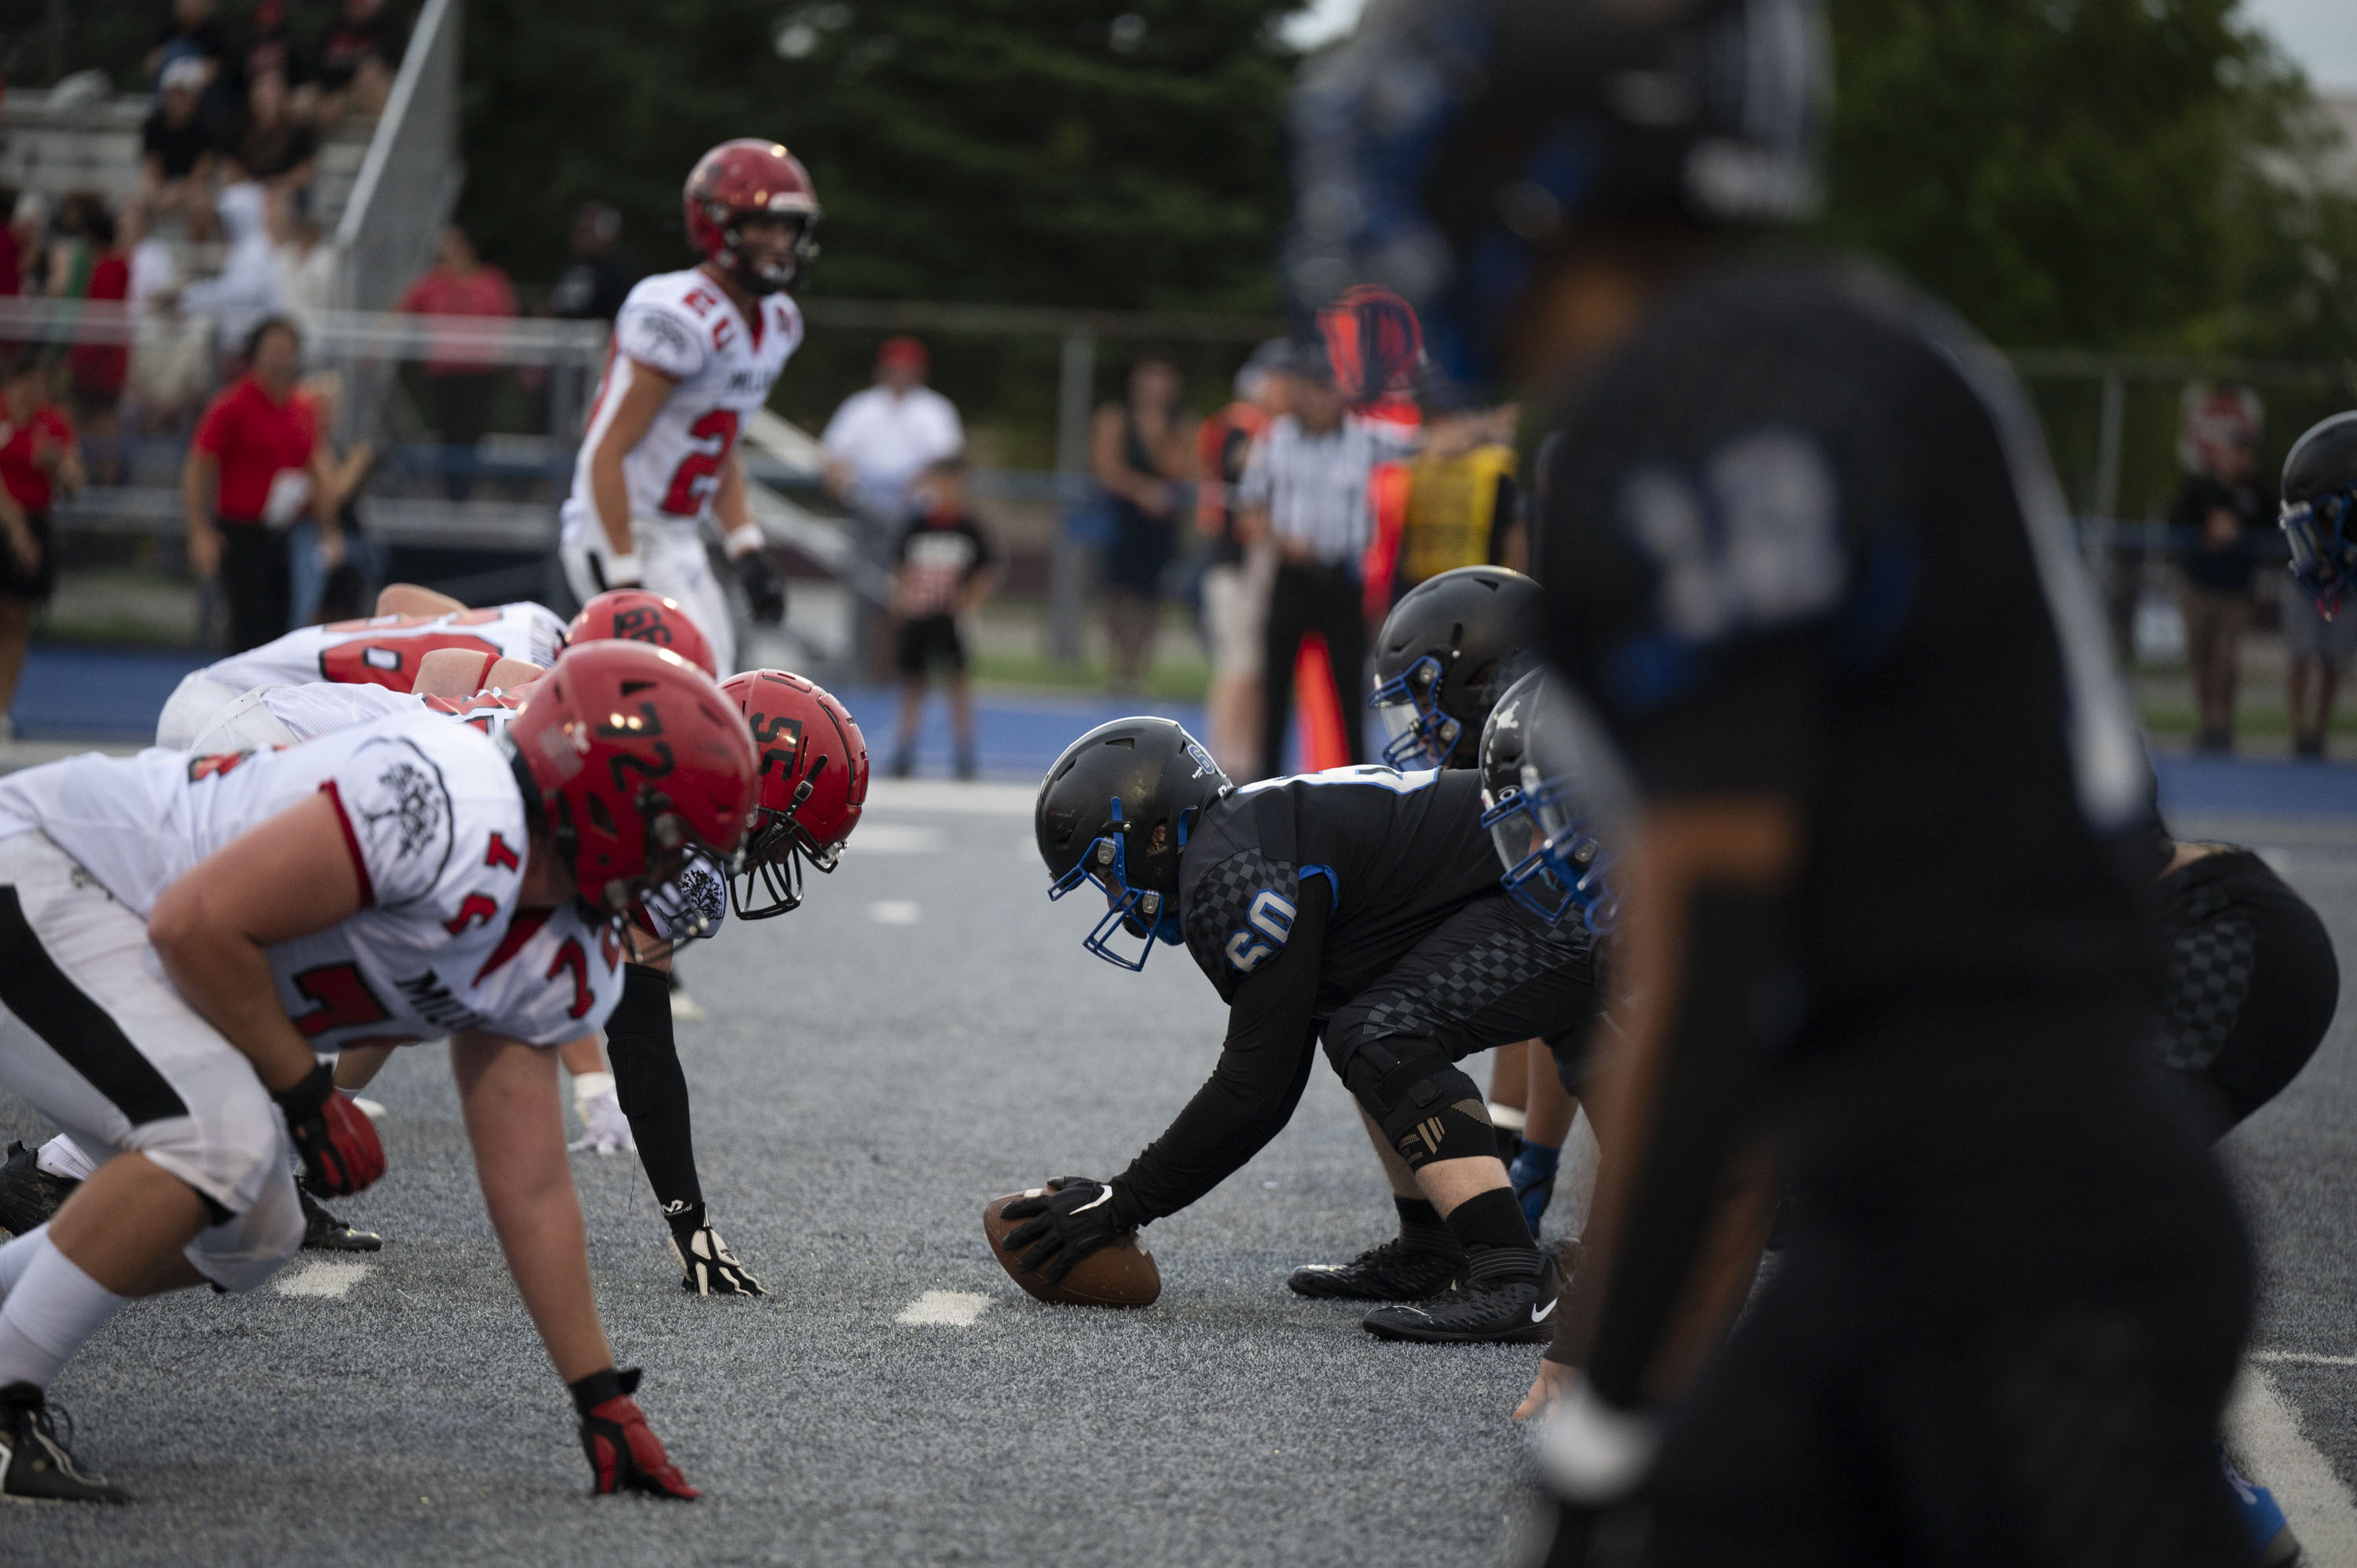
<point x="812" y="783"/>
<point x="634" y="615"/>
<point x="636" y="762"/>
<point x="744" y="180"/>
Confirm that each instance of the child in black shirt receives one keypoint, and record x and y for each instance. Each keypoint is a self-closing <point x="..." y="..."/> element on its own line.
<point x="941" y="572"/>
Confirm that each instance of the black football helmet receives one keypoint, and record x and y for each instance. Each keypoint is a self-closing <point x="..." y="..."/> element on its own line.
<point x="2319" y="509"/>
<point x="1114" y="812"/>
<point x="1451" y="144"/>
<point x="1447" y="652"/>
<point x="1540" y="785"/>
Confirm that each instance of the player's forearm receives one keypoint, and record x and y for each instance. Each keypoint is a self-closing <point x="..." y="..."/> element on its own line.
<point x="610" y="491"/>
<point x="1672" y="1099"/>
<point x="732" y="508"/>
<point x="225" y="976"/>
<point x="508" y="1093"/>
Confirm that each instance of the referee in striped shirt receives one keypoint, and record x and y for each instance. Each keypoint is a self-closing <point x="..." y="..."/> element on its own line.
<point x="1305" y="490"/>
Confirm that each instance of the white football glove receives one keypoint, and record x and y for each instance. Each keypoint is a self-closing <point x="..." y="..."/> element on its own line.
<point x="710" y="1268"/>
<point x="606" y="1131"/>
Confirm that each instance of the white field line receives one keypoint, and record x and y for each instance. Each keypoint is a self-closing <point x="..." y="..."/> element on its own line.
<point x="2304" y="1357"/>
<point x="944" y="1308"/>
<point x="320" y="1277"/>
<point x="2263" y="1430"/>
<point x="950" y="797"/>
<point x="895" y="912"/>
<point x="897" y="838"/>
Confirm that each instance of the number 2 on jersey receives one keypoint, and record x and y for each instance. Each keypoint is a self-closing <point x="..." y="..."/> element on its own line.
<point x="697" y="474"/>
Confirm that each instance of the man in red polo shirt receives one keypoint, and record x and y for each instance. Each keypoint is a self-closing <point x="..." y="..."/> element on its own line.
<point x="462" y="374"/>
<point x="262" y="443"/>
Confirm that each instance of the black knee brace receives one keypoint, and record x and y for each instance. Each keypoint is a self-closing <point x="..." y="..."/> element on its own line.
<point x="1422" y="1101"/>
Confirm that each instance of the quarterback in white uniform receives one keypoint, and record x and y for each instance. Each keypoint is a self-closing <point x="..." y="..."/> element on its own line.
<point x="694" y="354"/>
<point x="383" y="650"/>
<point x="180" y="934"/>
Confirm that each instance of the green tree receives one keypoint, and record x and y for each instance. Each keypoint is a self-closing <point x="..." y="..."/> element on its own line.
<point x="2091" y="173"/>
<point x="1044" y="151"/>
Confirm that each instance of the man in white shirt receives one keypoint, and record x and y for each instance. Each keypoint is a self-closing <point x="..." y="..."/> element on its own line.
<point x="884" y="436"/>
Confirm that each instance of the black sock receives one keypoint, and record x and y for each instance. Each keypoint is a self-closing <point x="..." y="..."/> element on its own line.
<point x="653" y="1088"/>
<point x="1421" y="1225"/>
<point x="1494" y="1219"/>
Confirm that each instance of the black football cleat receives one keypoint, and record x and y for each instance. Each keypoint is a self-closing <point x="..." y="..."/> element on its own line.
<point x="1500" y="1301"/>
<point x="324" y="1232"/>
<point x="1397" y="1271"/>
<point x="29" y="1194"/>
<point x="35" y="1466"/>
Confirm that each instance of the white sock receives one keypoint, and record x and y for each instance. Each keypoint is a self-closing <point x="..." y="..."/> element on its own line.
<point x="18" y="1253"/>
<point x="63" y="1158"/>
<point x="51" y="1314"/>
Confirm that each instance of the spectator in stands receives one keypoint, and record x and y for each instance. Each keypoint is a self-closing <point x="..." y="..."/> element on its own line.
<point x="96" y="370"/>
<point x="595" y="283"/>
<point x="307" y="267"/>
<point x="272" y="145"/>
<point x="357" y="61"/>
<point x="245" y="290"/>
<point x="1305" y="488"/>
<point x="2222" y="513"/>
<point x="12" y="264"/>
<point x="178" y="145"/>
<point x="942" y="571"/>
<point x="258" y="463"/>
<point x="1236" y="583"/>
<point x="193" y="36"/>
<point x="462" y="374"/>
<point x="28" y="228"/>
<point x="1461" y="506"/>
<point x="39" y="458"/>
<point x="883" y="437"/>
<point x="271" y="47"/>
<point x="1140" y="451"/>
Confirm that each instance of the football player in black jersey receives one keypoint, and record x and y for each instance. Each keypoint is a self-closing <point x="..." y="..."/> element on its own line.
<point x="1360" y="907"/>
<point x="1447" y="652"/>
<point x="1807" y="563"/>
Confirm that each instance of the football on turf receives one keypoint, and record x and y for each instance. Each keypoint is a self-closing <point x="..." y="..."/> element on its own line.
<point x="1122" y="1274"/>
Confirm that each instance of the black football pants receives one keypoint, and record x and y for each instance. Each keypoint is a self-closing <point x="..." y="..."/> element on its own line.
<point x="2253" y="983"/>
<point x="1326" y="600"/>
<point x="2003" y="1330"/>
<point x="1488" y="975"/>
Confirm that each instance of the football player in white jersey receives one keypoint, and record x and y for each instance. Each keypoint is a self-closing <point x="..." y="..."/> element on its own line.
<point x="180" y="934"/>
<point x="384" y="650"/>
<point x="694" y="354"/>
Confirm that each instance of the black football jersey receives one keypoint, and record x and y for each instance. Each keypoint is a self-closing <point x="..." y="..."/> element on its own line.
<point x="1400" y="852"/>
<point x="1803" y="539"/>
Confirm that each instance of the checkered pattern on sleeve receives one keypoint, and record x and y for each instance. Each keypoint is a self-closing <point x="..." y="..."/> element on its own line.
<point x="1215" y="906"/>
<point x="1466" y="983"/>
<point x="2209" y="963"/>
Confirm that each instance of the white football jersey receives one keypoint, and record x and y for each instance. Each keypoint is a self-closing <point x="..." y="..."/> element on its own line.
<point x="681" y="324"/>
<point x="701" y="890"/>
<point x="436" y="827"/>
<point x="385" y="652"/>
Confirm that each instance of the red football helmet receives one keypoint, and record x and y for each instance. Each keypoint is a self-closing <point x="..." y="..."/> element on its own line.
<point x="812" y="783"/>
<point x="634" y="615"/>
<point x="639" y="762"/>
<point x="745" y="178"/>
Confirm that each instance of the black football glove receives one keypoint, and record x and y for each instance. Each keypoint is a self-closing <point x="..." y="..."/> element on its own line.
<point x="708" y="1266"/>
<point x="765" y="591"/>
<point x="1064" y="1224"/>
<point x="625" y="1456"/>
<point x="340" y="1151"/>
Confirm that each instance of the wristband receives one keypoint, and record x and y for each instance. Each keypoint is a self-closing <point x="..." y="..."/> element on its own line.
<point x="744" y="539"/>
<point x="595" y="1389"/>
<point x="308" y="1093"/>
<point x="622" y="571"/>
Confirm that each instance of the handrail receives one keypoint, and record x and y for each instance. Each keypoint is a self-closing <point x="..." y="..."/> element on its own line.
<point x="389" y="125"/>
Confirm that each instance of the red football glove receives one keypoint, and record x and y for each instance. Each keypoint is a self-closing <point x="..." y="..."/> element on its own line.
<point x="339" y="1148"/>
<point x="625" y="1456"/>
